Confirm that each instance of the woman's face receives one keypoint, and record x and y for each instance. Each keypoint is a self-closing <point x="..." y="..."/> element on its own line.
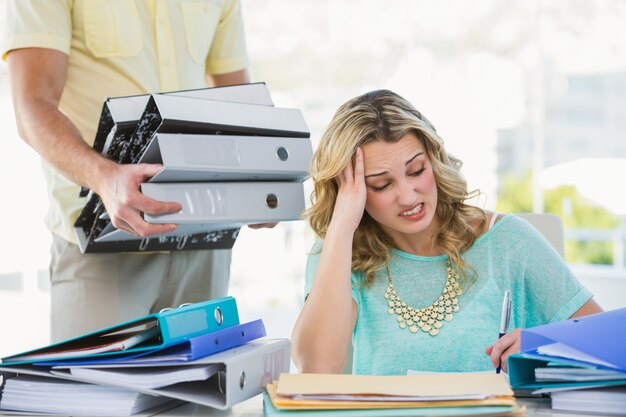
<point x="401" y="187"/>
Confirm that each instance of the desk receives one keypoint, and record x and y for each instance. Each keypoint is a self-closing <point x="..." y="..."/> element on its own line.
<point x="535" y="407"/>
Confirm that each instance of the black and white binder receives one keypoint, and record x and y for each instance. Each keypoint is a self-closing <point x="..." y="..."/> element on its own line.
<point x="120" y="115"/>
<point x="217" y="134"/>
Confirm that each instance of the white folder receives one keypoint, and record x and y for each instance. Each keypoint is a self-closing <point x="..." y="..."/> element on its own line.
<point x="244" y="371"/>
<point x="190" y="158"/>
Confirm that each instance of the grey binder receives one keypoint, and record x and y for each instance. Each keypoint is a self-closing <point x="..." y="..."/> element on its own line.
<point x="172" y="114"/>
<point x="213" y="212"/>
<point x="244" y="371"/>
<point x="188" y="158"/>
<point x="207" y="203"/>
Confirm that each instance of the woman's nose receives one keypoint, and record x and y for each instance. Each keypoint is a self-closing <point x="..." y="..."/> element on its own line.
<point x="407" y="194"/>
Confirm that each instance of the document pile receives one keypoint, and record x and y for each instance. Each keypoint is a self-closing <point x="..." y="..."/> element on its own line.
<point x="581" y="362"/>
<point x="197" y="353"/>
<point x="229" y="157"/>
<point x="454" y="394"/>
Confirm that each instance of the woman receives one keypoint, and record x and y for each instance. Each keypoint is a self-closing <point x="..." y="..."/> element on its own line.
<point x="408" y="270"/>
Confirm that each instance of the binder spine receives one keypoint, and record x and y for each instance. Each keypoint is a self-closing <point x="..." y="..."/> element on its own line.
<point x="195" y="319"/>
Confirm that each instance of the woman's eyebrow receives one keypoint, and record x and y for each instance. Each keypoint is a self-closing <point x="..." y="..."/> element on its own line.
<point x="378" y="174"/>
<point x="414" y="156"/>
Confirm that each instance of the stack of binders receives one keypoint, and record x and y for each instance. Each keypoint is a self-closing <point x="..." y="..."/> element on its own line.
<point x="580" y="362"/>
<point x="197" y="353"/>
<point x="229" y="156"/>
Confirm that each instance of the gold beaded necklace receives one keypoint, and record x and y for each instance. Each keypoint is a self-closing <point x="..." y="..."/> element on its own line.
<point x="429" y="319"/>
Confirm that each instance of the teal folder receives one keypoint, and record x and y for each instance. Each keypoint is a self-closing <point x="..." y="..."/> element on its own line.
<point x="270" y="411"/>
<point x="522" y="373"/>
<point x="151" y="332"/>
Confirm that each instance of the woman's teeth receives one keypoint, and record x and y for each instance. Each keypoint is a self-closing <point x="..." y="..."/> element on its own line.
<point x="414" y="211"/>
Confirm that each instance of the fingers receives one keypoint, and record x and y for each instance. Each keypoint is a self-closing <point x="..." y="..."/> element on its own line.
<point x="125" y="202"/>
<point x="148" y="171"/>
<point x="262" y="226"/>
<point x="359" y="169"/>
<point x="153" y="207"/>
<point x="505" y="346"/>
<point x="130" y="221"/>
<point x="352" y="171"/>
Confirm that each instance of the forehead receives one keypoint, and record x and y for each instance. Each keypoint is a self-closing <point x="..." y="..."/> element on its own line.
<point x="381" y="155"/>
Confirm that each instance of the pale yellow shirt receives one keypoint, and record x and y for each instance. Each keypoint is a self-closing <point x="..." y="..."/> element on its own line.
<point x="118" y="48"/>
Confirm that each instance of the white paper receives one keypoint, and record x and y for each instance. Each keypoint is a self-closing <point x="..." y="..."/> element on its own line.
<point x="153" y="377"/>
<point x="560" y="350"/>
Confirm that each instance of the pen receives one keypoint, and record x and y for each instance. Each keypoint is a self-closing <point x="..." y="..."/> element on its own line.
<point x="505" y="318"/>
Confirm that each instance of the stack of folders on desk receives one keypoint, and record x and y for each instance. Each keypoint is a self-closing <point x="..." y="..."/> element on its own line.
<point x="229" y="156"/>
<point x="198" y="353"/>
<point x="373" y="396"/>
<point x="580" y="362"/>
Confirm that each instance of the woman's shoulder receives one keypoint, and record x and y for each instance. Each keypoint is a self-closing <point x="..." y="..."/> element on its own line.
<point x="501" y="226"/>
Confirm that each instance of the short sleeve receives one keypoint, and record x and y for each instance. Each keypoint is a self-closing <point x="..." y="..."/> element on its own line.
<point x="228" y="50"/>
<point x="36" y="24"/>
<point x="311" y="267"/>
<point x="545" y="289"/>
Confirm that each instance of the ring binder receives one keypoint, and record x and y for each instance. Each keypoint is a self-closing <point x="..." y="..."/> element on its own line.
<point x="171" y="326"/>
<point x="222" y="134"/>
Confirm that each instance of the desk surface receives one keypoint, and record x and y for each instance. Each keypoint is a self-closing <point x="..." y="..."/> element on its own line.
<point x="535" y="407"/>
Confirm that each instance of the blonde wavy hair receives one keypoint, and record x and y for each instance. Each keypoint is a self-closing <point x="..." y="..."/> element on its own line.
<point x="383" y="115"/>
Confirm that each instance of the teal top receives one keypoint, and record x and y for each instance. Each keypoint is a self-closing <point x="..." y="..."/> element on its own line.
<point x="512" y="256"/>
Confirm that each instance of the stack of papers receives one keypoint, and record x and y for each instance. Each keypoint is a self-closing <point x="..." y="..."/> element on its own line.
<point x="155" y="377"/>
<point x="610" y="400"/>
<point x="44" y="395"/>
<point x="576" y="374"/>
<point x="229" y="156"/>
<point x="453" y="394"/>
<point x="102" y="343"/>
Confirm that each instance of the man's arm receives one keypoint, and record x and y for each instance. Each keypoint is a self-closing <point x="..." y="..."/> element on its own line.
<point x="230" y="78"/>
<point x="37" y="78"/>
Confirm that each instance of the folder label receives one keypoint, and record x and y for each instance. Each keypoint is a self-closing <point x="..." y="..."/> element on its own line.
<point x="200" y="152"/>
<point x="188" y="323"/>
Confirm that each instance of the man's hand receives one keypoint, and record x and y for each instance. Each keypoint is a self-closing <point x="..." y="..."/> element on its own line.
<point x="262" y="226"/>
<point x="120" y="193"/>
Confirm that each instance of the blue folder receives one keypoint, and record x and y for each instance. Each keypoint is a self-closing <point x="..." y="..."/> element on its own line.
<point x="601" y="336"/>
<point x="166" y="328"/>
<point x="185" y="351"/>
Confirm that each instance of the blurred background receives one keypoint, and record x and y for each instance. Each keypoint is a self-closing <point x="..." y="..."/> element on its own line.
<point x="531" y="95"/>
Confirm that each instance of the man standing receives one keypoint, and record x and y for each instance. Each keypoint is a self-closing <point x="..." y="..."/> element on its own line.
<point x="64" y="58"/>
